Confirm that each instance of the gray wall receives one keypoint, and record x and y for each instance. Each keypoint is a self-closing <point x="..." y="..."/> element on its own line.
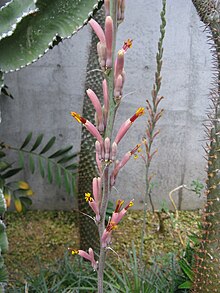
<point x="46" y="91"/>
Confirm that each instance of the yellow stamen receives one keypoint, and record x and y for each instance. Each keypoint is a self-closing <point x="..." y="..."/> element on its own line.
<point x="135" y="156"/>
<point x="140" y="111"/>
<point x="129" y="43"/>
<point x="131" y="203"/>
<point x="88" y="197"/>
<point x="73" y="251"/>
<point x="76" y="116"/>
<point x="139" y="150"/>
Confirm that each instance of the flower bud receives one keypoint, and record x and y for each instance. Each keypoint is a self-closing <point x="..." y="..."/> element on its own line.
<point x="109" y="39"/>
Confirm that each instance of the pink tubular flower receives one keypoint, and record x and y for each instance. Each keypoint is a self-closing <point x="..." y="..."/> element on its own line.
<point x="89" y="256"/>
<point x="106" y="100"/>
<point x="118" y="86"/>
<point x="117" y="215"/>
<point x="107" y="148"/>
<point x="89" y="126"/>
<point x="127" y="124"/>
<point x="121" y="164"/>
<point x="113" y="151"/>
<point x="98" y="30"/>
<point x="119" y="63"/>
<point x="93" y="204"/>
<point x="108" y="38"/>
<point x="96" y="103"/>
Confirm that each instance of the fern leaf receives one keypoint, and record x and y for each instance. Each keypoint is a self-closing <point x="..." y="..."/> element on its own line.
<point x="48" y="145"/>
<point x="49" y="172"/>
<point x="58" y="176"/>
<point x="41" y="167"/>
<point x="66" y="159"/>
<point x="31" y="164"/>
<point x="37" y="142"/>
<point x="21" y="160"/>
<point x="26" y="141"/>
<point x="61" y="152"/>
<point x="73" y="166"/>
<point x="11" y="173"/>
<point x="67" y="182"/>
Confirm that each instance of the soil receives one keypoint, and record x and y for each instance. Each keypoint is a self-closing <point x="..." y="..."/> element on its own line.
<point x="43" y="237"/>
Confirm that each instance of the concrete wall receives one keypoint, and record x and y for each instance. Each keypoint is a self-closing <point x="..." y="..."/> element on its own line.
<point x="46" y="91"/>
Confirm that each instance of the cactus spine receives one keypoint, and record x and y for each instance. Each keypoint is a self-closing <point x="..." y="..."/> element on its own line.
<point x="207" y="264"/>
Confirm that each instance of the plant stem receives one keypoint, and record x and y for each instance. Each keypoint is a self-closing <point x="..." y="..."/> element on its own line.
<point x="101" y="228"/>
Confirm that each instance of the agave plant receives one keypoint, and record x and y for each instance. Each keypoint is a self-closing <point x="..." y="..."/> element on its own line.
<point x="29" y="28"/>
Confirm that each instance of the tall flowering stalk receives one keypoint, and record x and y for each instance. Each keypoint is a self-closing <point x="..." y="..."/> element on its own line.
<point x="106" y="146"/>
<point x="154" y="114"/>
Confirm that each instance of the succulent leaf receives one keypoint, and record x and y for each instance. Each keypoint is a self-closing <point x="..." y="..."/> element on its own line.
<point x="35" y="33"/>
<point x="12" y="13"/>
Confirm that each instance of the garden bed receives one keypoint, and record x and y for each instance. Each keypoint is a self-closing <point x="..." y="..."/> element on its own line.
<point x="39" y="238"/>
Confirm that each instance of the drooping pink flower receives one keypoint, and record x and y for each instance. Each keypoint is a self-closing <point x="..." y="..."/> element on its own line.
<point x="89" y="256"/>
<point x="98" y="30"/>
<point x="89" y="126"/>
<point x="121" y="164"/>
<point x="127" y="124"/>
<point x="93" y="204"/>
<point x="117" y="215"/>
<point x="97" y="105"/>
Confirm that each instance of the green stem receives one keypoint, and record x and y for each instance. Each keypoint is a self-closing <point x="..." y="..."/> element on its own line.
<point x="101" y="228"/>
<point x="108" y="133"/>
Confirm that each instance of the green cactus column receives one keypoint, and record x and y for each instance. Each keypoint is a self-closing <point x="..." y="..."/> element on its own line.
<point x="207" y="264"/>
<point x="87" y="164"/>
<point x="3" y="245"/>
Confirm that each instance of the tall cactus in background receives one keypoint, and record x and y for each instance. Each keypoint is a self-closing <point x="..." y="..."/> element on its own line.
<point x="3" y="245"/>
<point x="87" y="163"/>
<point x="207" y="263"/>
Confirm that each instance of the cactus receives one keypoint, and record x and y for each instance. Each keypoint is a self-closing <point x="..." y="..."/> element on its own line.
<point x="87" y="163"/>
<point x="207" y="260"/>
<point x="3" y="245"/>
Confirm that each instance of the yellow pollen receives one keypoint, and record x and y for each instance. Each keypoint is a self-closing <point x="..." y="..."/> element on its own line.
<point x="139" y="150"/>
<point x="135" y="156"/>
<point x="73" y="251"/>
<point x="140" y="111"/>
<point x="131" y="203"/>
<point x="76" y="116"/>
<point x="88" y="197"/>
